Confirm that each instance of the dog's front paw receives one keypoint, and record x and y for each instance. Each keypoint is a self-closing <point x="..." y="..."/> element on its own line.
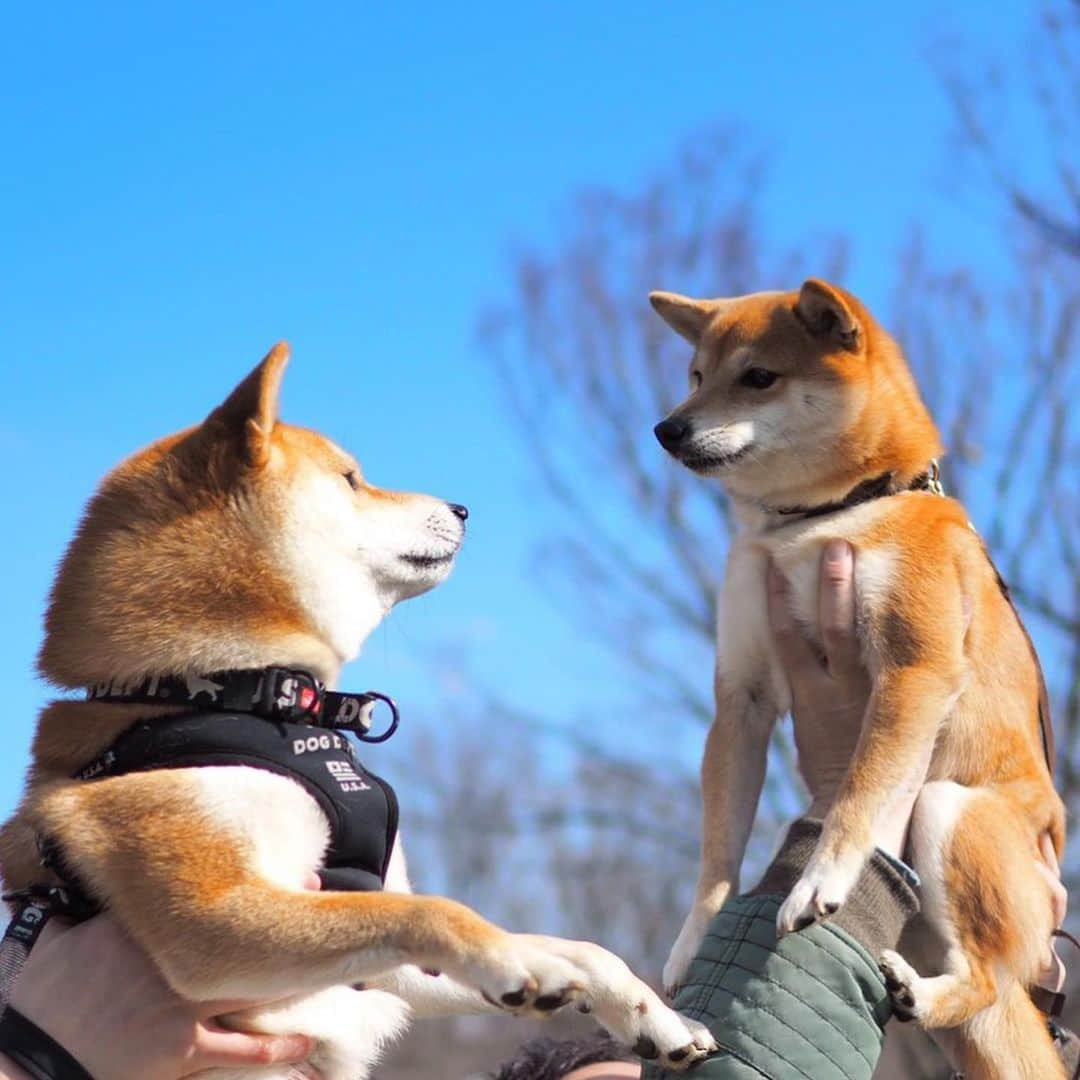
<point x="656" y="1032"/>
<point x="901" y="979"/>
<point x="630" y="1009"/>
<point x="701" y="1045"/>
<point x="522" y="979"/>
<point x="819" y="893"/>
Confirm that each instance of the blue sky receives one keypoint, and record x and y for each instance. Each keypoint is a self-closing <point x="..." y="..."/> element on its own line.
<point x="184" y="184"/>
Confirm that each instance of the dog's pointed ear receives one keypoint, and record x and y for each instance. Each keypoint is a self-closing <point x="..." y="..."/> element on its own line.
<point x="685" y="316"/>
<point x="827" y="314"/>
<point x="250" y="412"/>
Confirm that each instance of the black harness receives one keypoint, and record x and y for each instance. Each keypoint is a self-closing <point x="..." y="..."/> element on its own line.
<point x="277" y="719"/>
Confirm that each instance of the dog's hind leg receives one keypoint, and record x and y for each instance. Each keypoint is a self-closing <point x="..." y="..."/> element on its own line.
<point x="982" y="893"/>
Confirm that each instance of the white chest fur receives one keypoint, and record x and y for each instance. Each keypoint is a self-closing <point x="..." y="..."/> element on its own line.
<point x="746" y="654"/>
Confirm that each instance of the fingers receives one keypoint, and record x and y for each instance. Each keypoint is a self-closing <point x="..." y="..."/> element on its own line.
<point x="795" y="652"/>
<point x="1046" y="849"/>
<point x="836" y="605"/>
<point x="217" y="1048"/>
<point x="1051" y="872"/>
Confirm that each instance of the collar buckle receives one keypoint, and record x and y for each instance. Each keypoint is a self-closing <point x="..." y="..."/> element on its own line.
<point x="355" y="713"/>
<point x="287" y="694"/>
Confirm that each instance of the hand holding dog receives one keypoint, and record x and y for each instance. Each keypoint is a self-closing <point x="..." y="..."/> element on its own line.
<point x="829" y="694"/>
<point x="100" y="996"/>
<point x="830" y="690"/>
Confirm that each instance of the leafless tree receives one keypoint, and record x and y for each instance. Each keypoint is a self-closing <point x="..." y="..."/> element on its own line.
<point x="997" y="348"/>
<point x="639" y="543"/>
<point x="636" y="544"/>
<point x="1018" y="123"/>
<point x="997" y="352"/>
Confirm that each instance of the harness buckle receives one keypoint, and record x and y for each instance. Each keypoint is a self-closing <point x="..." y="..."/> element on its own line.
<point x="41" y="901"/>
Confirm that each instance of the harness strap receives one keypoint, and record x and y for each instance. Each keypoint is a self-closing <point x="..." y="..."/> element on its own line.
<point x="1052" y="1002"/>
<point x="36" y="905"/>
<point x="35" y="1051"/>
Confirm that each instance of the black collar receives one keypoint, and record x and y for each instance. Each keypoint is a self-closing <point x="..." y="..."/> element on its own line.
<point x="876" y="487"/>
<point x="273" y="693"/>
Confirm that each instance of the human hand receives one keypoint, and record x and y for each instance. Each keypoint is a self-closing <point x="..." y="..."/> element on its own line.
<point x="1052" y="975"/>
<point x="830" y="690"/>
<point x="94" y="991"/>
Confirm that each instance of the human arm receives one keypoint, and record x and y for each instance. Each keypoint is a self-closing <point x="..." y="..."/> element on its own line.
<point x="124" y="1020"/>
<point x="813" y="1003"/>
<point x="92" y="990"/>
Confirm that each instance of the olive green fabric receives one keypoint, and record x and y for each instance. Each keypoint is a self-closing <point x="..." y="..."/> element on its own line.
<point x="810" y="1007"/>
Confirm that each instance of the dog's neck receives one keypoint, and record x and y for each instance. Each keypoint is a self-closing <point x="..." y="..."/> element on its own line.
<point x="760" y="516"/>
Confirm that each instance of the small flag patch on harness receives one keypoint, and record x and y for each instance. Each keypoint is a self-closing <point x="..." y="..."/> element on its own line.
<point x="346" y="776"/>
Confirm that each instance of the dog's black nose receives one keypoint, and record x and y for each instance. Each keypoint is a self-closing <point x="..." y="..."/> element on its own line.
<point x="459" y="510"/>
<point x="671" y="432"/>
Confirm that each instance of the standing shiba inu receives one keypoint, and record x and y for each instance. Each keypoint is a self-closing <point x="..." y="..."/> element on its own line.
<point x="246" y="545"/>
<point x="803" y="407"/>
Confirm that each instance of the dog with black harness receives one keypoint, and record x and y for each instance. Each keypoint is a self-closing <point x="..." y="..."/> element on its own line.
<point x="218" y="581"/>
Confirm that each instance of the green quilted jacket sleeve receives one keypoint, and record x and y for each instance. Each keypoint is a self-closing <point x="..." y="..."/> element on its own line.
<point x="811" y="1006"/>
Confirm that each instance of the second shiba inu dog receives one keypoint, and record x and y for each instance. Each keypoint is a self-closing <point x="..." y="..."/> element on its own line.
<point x="245" y="559"/>
<point x="804" y="409"/>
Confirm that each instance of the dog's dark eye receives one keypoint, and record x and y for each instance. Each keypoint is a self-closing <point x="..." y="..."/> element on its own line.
<point x="352" y="478"/>
<point x="758" y="378"/>
<point x="695" y="379"/>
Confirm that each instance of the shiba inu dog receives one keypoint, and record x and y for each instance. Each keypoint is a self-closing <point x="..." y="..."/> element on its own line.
<point x="805" y="410"/>
<point x="243" y="545"/>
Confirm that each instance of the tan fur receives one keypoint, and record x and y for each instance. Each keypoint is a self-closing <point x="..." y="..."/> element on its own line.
<point x="952" y="667"/>
<point x="245" y="542"/>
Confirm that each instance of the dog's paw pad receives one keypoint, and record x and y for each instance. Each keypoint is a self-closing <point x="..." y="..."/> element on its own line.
<point x="900" y="978"/>
<point x="797" y="911"/>
<point x="818" y="894"/>
<point x="548" y="1003"/>
<point x="703" y="1037"/>
<point x="646" y="1048"/>
<point x="684" y="1057"/>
